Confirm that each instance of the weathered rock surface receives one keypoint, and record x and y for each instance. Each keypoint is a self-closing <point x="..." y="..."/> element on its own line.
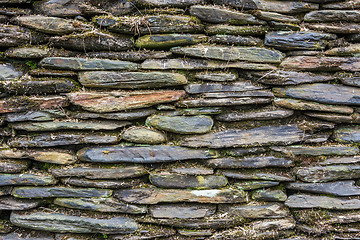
<point x="192" y="171"/>
<point x="340" y="188"/>
<point x="182" y="211"/>
<point x="187" y="181"/>
<point x="167" y="3"/>
<point x="272" y="16"/>
<point x="256" y="211"/>
<point x="347" y="134"/>
<point x="48" y="192"/>
<point x="249" y="162"/>
<point x="333" y="117"/>
<point x="19" y="236"/>
<point x="236" y="30"/>
<point x="13" y="36"/>
<point x="165" y="41"/>
<point x="81" y="182"/>
<point x="131" y="55"/>
<point x="26" y="179"/>
<point x="269" y="195"/>
<point x="228" y="101"/>
<point x="196" y="88"/>
<point x="251" y="185"/>
<point x="58" y="8"/>
<point x="143" y="135"/>
<point x="8" y="72"/>
<point x="328" y="173"/>
<point x="235" y="40"/>
<point x="128" y="115"/>
<point x="11" y="203"/>
<point x="333" y="16"/>
<point x="263" y="114"/>
<point x="258" y="175"/>
<point x="153" y="154"/>
<point x="338" y="28"/>
<point x="341" y="160"/>
<point x="34" y="116"/>
<point x="342" y="5"/>
<point x="216" y="77"/>
<point x="27" y="52"/>
<point x="310" y="201"/>
<point x="317" y="151"/>
<point x="13" y="165"/>
<point x="344" y="51"/>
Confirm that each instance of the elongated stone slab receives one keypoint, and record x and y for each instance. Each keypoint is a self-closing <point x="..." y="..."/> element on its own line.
<point x="100" y="205"/>
<point x="269" y="195"/>
<point x="34" y="116"/>
<point x="236" y="30"/>
<point x="256" y="211"/>
<point x="155" y="195"/>
<point x="268" y="135"/>
<point x="328" y="173"/>
<point x="13" y="165"/>
<point x="8" y="72"/>
<point x="340" y="188"/>
<point x="117" y="101"/>
<point x="47" y="192"/>
<point x="341" y="160"/>
<point x="130" y="80"/>
<point x="26" y="179"/>
<point x="167" y="3"/>
<point x="81" y="182"/>
<point x="153" y="154"/>
<point x="181" y="211"/>
<point x="277" y="17"/>
<point x="216" y="77"/>
<point x="165" y="41"/>
<point x="187" y="181"/>
<point x="11" y="203"/>
<point x="347" y="134"/>
<point x="258" y="175"/>
<point x="56" y="222"/>
<point x="196" y="88"/>
<point x="181" y="124"/>
<point x="351" y="50"/>
<point x="100" y="173"/>
<point x="333" y="16"/>
<point x="334" y="117"/>
<point x="249" y="162"/>
<point x="70" y="63"/>
<point x="237" y="95"/>
<point x="255" y="115"/>
<point x="143" y="135"/>
<point x="342" y="5"/>
<point x="338" y="28"/>
<point x="228" y="101"/>
<point x="310" y="201"/>
<point x="128" y="115"/>
<point x="317" y="151"/>
<point x="309" y="63"/>
<point x="250" y="54"/>
<point x="251" y="185"/>
<point x="235" y="40"/>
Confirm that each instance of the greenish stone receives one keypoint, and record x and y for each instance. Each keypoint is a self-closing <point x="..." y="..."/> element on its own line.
<point x="337" y="28"/>
<point x="8" y="72"/>
<point x="352" y="16"/>
<point x="347" y="134"/>
<point x="195" y="233"/>
<point x="181" y="124"/>
<point x="192" y="170"/>
<point x="27" y="52"/>
<point x="12" y="203"/>
<point x="195" y="111"/>
<point x="134" y="56"/>
<point x="237" y="30"/>
<point x="13" y="165"/>
<point x="311" y="201"/>
<point x="26" y="179"/>
<point x="342" y="5"/>
<point x="339" y="188"/>
<point x="269" y="195"/>
<point x="250" y="185"/>
<point x="167" y="3"/>
<point x="317" y="151"/>
<point x="143" y="135"/>
<point x="258" y="114"/>
<point x="165" y="41"/>
<point x="182" y="211"/>
<point x="49" y="192"/>
<point x="35" y="116"/>
<point x="219" y="102"/>
<point x="328" y="173"/>
<point x="273" y="16"/>
<point x="187" y="181"/>
<point x="274" y="210"/>
<point x="344" y="51"/>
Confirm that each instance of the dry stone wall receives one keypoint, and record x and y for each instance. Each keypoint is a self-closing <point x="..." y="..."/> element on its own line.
<point x="179" y="119"/>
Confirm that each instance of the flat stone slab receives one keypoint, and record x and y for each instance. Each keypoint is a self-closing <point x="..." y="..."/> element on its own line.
<point x="269" y="195"/>
<point x="27" y="52"/>
<point x="258" y="175"/>
<point x="249" y="162"/>
<point x="34" y="116"/>
<point x="340" y="188"/>
<point x="219" y="29"/>
<point x="216" y="77"/>
<point x="317" y="151"/>
<point x="334" y="117"/>
<point x="268" y="135"/>
<point x="83" y="64"/>
<point x="13" y="36"/>
<point x="263" y="114"/>
<point x="341" y="160"/>
<point x="118" y="101"/>
<point x="167" y="3"/>
<point x="235" y="40"/>
<point x="50" y="192"/>
<point x="143" y="135"/>
<point x="251" y="185"/>
<point x="274" y="210"/>
<point x="277" y="17"/>
<point x="187" y="181"/>
<point x="348" y="134"/>
<point x="182" y="211"/>
<point x="196" y="88"/>
<point x="26" y="179"/>
<point x="56" y="222"/>
<point x="342" y="5"/>
<point x="220" y="102"/>
<point x="350" y="50"/>
<point x="19" y="236"/>
<point x="100" y="173"/>
<point x="13" y="165"/>
<point x="8" y="72"/>
<point x="11" y="203"/>
<point x="328" y="173"/>
<point x="128" y="115"/>
<point x="333" y="16"/>
<point x="311" y="201"/>
<point x="181" y="124"/>
<point x="192" y="170"/>
<point x="153" y="154"/>
<point x="82" y="182"/>
<point x="249" y="54"/>
<point x="156" y="195"/>
<point x="338" y="28"/>
<point x="100" y="205"/>
<point x="166" y="41"/>
<point x="130" y="80"/>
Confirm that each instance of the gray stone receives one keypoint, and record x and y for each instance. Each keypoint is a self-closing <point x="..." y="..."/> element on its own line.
<point x="20" y="236"/>
<point x="13" y="36"/>
<point x="310" y="201"/>
<point x="147" y="231"/>
<point x="143" y="135"/>
<point x="79" y="182"/>
<point x="182" y="211"/>
<point x="195" y="233"/>
<point x="328" y="173"/>
<point x="11" y="203"/>
<point x="333" y="16"/>
<point x="128" y="115"/>
<point x="249" y="162"/>
<point x="237" y="30"/>
<point x="13" y="165"/>
<point x="347" y="134"/>
<point x="317" y="151"/>
<point x="192" y="171"/>
<point x="237" y="95"/>
<point x="350" y="4"/>
<point x="351" y="50"/>
<point x="167" y="3"/>
<point x="218" y="102"/>
<point x="337" y="118"/>
<point x="237" y="152"/>
<point x="272" y="16"/>
<point x="310" y="63"/>
<point x="235" y="40"/>
<point x="340" y="188"/>
<point x="35" y="116"/>
<point x="259" y="114"/>
<point x="57" y="222"/>
<point x="195" y="111"/>
<point x="269" y="195"/>
<point x="216" y="77"/>
<point x="165" y="41"/>
<point x="8" y="72"/>
<point x="134" y="56"/>
<point x="181" y="124"/>
<point x="187" y="181"/>
<point x="98" y="7"/>
<point x="196" y="88"/>
<point x="338" y="28"/>
<point x="99" y="205"/>
<point x="251" y="185"/>
<point x="58" y="8"/>
<point x="341" y="160"/>
<point x="153" y="154"/>
<point x="258" y="175"/>
<point x="256" y="211"/>
<point x="48" y="192"/>
<point x="26" y="179"/>
<point x="27" y="52"/>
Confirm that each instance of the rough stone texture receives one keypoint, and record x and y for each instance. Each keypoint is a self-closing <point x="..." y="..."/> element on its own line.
<point x="165" y="41"/>
<point x="317" y="151"/>
<point x="143" y="135"/>
<point x="269" y="195"/>
<point x="11" y="203"/>
<point x="256" y="212"/>
<point x="333" y="16"/>
<point x="8" y="72"/>
<point x="347" y="134"/>
<point x="249" y="162"/>
<point x="13" y="165"/>
<point x="328" y="173"/>
<point x="25" y="179"/>
<point x="256" y="115"/>
<point x="181" y="211"/>
<point x="340" y="188"/>
<point x="186" y="181"/>
<point x="43" y="192"/>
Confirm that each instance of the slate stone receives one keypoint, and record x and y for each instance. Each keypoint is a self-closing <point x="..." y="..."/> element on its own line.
<point x="146" y="231"/>
<point x="236" y="30"/>
<point x="192" y="171"/>
<point x="100" y="205"/>
<point x="324" y="202"/>
<point x="35" y="116"/>
<point x="27" y="52"/>
<point x="116" y="184"/>
<point x="339" y="188"/>
<point x="333" y="16"/>
<point x="249" y="54"/>
<point x="153" y="154"/>
<point x="69" y="63"/>
<point x="342" y="5"/>
<point x="249" y="162"/>
<point x="347" y="134"/>
<point x="238" y="152"/>
<point x="13" y="165"/>
<point x="11" y="203"/>
<point x="181" y="124"/>
<point x="117" y="8"/>
<point x="181" y="211"/>
<point x="216" y="77"/>
<point x="258" y="175"/>
<point x="58" y="8"/>
<point x="130" y="80"/>
<point x="49" y="192"/>
<point x="338" y="28"/>
<point x="20" y="236"/>
<point x="8" y="72"/>
<point x="128" y="115"/>
<point x="167" y="3"/>
<point x="316" y="151"/>
<point x="143" y="135"/>
<point x="13" y="36"/>
<point x="165" y="41"/>
<point x="195" y="233"/>
<point x="269" y="195"/>
<point x="328" y="173"/>
<point x="156" y="195"/>
<point x="100" y="173"/>
<point x="235" y="101"/>
<point x="26" y="179"/>
<point x="187" y="181"/>
<point x="304" y="40"/>
<point x="195" y="111"/>
<point x="267" y="135"/>
<point x="93" y="41"/>
<point x="340" y="160"/>
<point x="330" y="64"/>
<point x="134" y="56"/>
<point x="236" y="94"/>
<point x="235" y="40"/>
<point x="117" y="101"/>
<point x="274" y="210"/>
<point x="263" y="114"/>
<point x="213" y="14"/>
<point x="62" y="139"/>
<point x="272" y="16"/>
<point x="196" y="88"/>
<point x="57" y="222"/>
<point x="251" y="185"/>
<point x="350" y="50"/>
<point x="337" y="118"/>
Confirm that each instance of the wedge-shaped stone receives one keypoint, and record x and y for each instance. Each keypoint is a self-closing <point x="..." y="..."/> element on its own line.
<point x="187" y="181"/>
<point x="298" y="40"/>
<point x="258" y="175"/>
<point x="344" y="51"/>
<point x="83" y="64"/>
<point x="311" y="201"/>
<point x="50" y="192"/>
<point x="310" y="63"/>
<point x="333" y="16"/>
<point x="269" y="195"/>
<point x="268" y="135"/>
<point x="317" y="151"/>
<point x="100" y="205"/>
<point x="196" y="88"/>
<point x="130" y="80"/>
<point x="26" y="179"/>
<point x="155" y="195"/>
<point x="249" y="162"/>
<point x="256" y="211"/>
<point x="100" y="173"/>
<point x="328" y="173"/>
<point x="338" y="28"/>
<point x="51" y="25"/>
<point x="228" y="101"/>
<point x="213" y="14"/>
<point x="263" y="114"/>
<point x="277" y="17"/>
<point x="62" y="139"/>
<point x="250" y="54"/>
<point x="347" y="134"/>
<point x="237" y="30"/>
<point x="271" y="6"/>
<point x="340" y="188"/>
<point x="8" y="72"/>
<point x="143" y="135"/>
<point x="13" y="165"/>
<point x="153" y="154"/>
<point x="11" y="203"/>
<point x="181" y="124"/>
<point x="118" y="101"/>
<point x="323" y="93"/>
<point x="62" y="125"/>
<point x="56" y="222"/>
<point x="128" y="115"/>
<point x="182" y="211"/>
<point x="165" y="41"/>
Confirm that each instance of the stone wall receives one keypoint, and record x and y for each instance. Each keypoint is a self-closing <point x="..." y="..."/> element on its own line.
<point x="179" y="119"/>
